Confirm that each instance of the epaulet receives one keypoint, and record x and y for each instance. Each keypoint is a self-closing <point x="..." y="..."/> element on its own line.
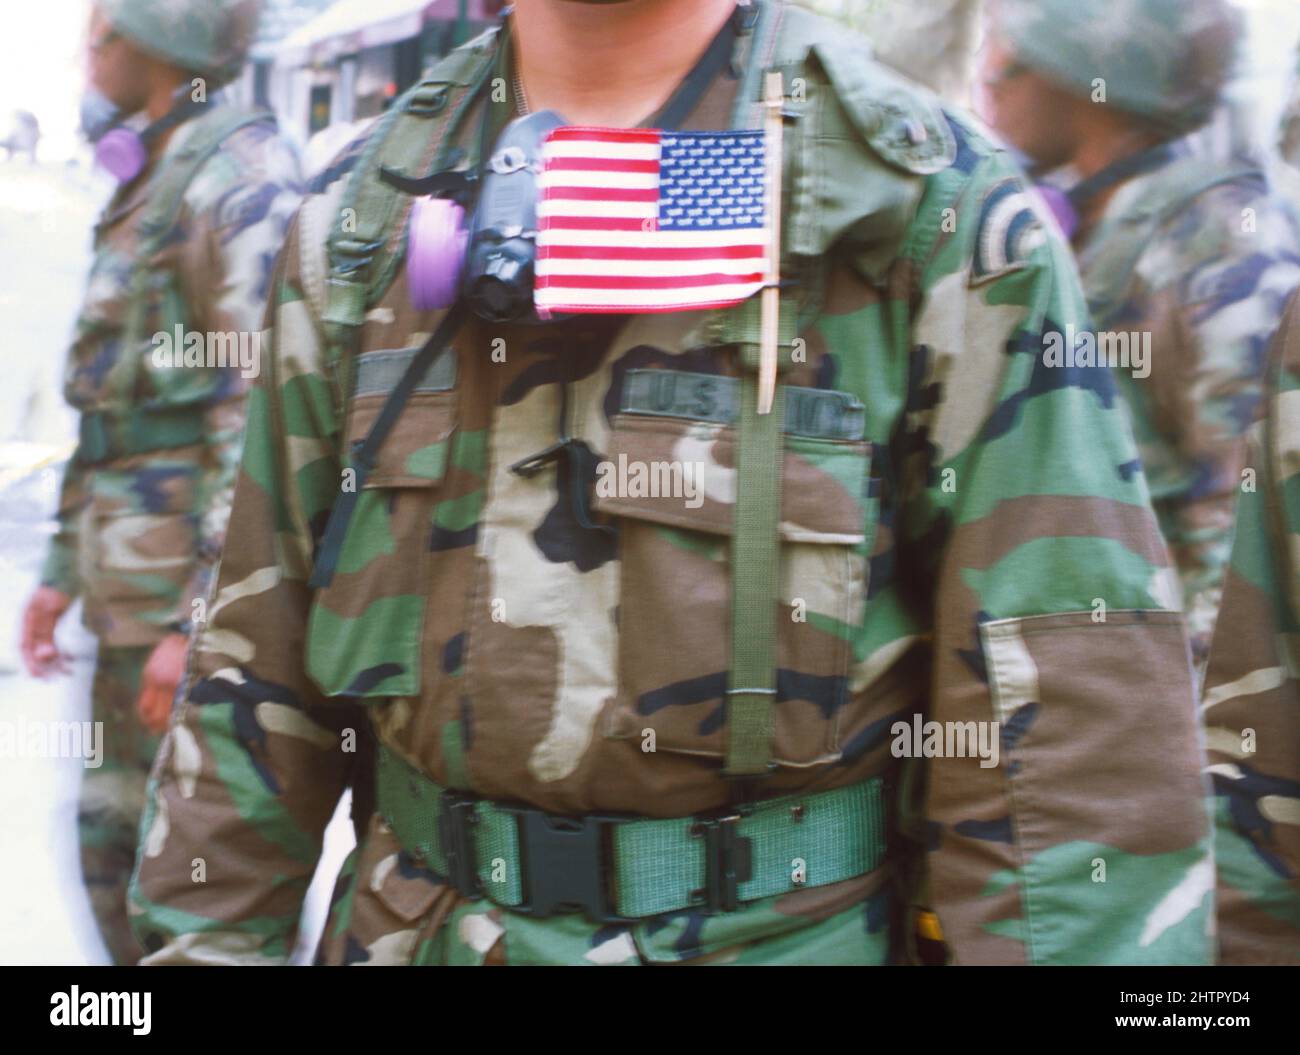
<point x="902" y="122"/>
<point x="459" y="64"/>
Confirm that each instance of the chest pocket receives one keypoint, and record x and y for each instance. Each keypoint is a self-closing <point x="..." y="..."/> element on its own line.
<point x="670" y="481"/>
<point x="365" y="627"/>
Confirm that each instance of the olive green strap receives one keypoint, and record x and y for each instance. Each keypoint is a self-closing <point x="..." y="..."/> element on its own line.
<point x="755" y="548"/>
<point x="751" y="687"/>
<point x="755" y="552"/>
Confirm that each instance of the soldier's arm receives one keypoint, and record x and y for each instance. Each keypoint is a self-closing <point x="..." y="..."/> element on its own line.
<point x="251" y="769"/>
<point x="1252" y="689"/>
<point x="59" y="569"/>
<point x="239" y="209"/>
<point x="1087" y="839"/>
<point x="1212" y="329"/>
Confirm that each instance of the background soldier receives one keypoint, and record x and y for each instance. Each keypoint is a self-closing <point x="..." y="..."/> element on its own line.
<point x="1252" y="688"/>
<point x="549" y="653"/>
<point x="187" y="241"/>
<point x="1195" y="250"/>
<point x="1290" y="135"/>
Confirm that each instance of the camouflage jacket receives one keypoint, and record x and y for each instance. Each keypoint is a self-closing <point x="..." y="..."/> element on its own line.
<point x="987" y="555"/>
<point x="1198" y="258"/>
<point x="147" y="492"/>
<point x="1252" y="688"/>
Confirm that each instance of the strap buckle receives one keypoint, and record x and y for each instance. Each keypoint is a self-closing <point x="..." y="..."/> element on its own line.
<point x="455" y="822"/>
<point x="354" y="254"/>
<point x="563" y="865"/>
<point x="428" y="98"/>
<point x="728" y="861"/>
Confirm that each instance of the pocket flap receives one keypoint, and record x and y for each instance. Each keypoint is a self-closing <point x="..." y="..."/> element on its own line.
<point x="682" y="473"/>
<point x="415" y="452"/>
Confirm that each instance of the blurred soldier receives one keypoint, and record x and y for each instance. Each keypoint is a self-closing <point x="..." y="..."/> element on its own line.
<point x="159" y="368"/>
<point x="1252" y="688"/>
<point x="629" y="726"/>
<point x="1187" y="259"/>
<point x="1290" y="137"/>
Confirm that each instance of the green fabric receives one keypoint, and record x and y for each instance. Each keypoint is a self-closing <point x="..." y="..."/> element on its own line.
<point x="210" y="130"/>
<point x="755" y="549"/>
<point x="841" y="835"/>
<point x="453" y="754"/>
<point x="411" y="805"/>
<point x="104" y="436"/>
<point x="755" y="556"/>
<point x="658" y="865"/>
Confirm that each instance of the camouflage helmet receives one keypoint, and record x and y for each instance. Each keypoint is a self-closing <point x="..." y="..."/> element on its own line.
<point x="1167" y="61"/>
<point x="208" y="37"/>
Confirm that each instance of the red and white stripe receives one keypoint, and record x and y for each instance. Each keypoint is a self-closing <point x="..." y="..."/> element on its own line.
<point x="598" y="245"/>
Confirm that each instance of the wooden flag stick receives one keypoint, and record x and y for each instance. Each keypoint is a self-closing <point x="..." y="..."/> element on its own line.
<point x="771" y="302"/>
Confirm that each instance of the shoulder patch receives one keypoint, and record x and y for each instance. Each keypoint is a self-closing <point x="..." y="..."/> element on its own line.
<point x="1009" y="230"/>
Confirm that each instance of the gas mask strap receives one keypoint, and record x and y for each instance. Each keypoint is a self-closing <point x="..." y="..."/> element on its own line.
<point x="716" y="56"/>
<point x="1117" y="172"/>
<point x="184" y="107"/>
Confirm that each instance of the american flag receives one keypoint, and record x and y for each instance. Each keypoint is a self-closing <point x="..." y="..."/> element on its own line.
<point x="640" y="220"/>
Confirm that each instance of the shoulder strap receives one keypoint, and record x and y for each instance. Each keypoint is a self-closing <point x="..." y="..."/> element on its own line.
<point x="174" y="178"/>
<point x="1160" y="202"/>
<point x="755" y="545"/>
<point x="410" y="138"/>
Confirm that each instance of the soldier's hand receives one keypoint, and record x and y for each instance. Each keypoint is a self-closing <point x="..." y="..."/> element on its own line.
<point x="159" y="680"/>
<point x="41" y="656"/>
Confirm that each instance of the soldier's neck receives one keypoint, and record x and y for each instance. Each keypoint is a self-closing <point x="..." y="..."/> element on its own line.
<point x="611" y="64"/>
<point x="159" y="101"/>
<point x="1098" y="149"/>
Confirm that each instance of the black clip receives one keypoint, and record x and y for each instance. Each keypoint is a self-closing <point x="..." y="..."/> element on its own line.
<point x="362" y="461"/>
<point x="728" y="862"/>
<point x="454" y="831"/>
<point x="534" y="463"/>
<point x="455" y="184"/>
<point x="564" y="866"/>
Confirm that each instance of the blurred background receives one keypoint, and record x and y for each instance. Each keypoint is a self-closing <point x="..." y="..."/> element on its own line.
<point x="326" y="67"/>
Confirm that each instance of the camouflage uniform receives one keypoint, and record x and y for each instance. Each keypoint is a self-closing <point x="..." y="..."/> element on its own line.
<point x="1289" y="133"/>
<point x="1252" y="689"/>
<point x="147" y="492"/>
<point x="1200" y="252"/>
<point x="944" y="567"/>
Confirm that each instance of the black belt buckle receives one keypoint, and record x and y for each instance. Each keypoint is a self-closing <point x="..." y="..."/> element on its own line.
<point x="564" y="867"/>
<point x="455" y="822"/>
<point x="728" y="861"/>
